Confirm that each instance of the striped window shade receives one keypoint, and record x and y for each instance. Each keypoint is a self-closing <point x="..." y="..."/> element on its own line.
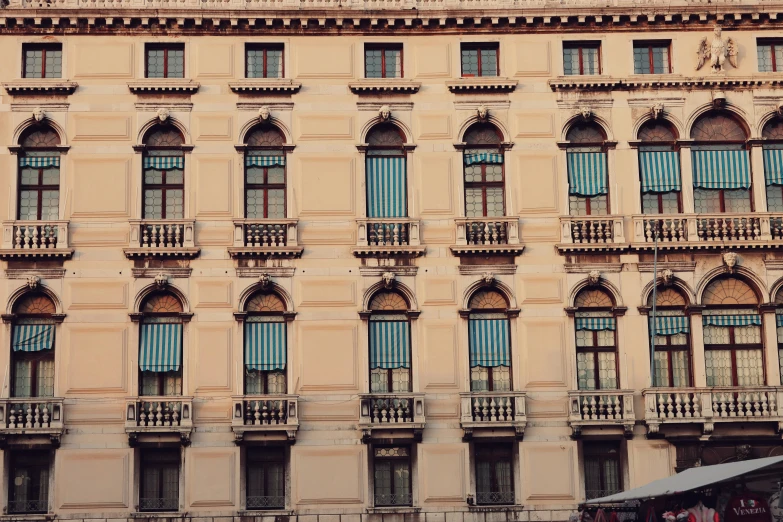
<point x="33" y="337"/>
<point x="389" y="344"/>
<point x="732" y="320"/>
<point x="587" y="173"/>
<point x="660" y="171"/>
<point x="721" y="169"/>
<point x="778" y="320"/>
<point x="164" y="162"/>
<point x="264" y="161"/>
<point x="265" y="346"/>
<point x="595" y="323"/>
<point x="490" y="158"/>
<point x="387" y="189"/>
<point x="39" y="162"/>
<point x="671" y="324"/>
<point x="489" y="342"/>
<point x="773" y="166"/>
<point x="161" y="347"/>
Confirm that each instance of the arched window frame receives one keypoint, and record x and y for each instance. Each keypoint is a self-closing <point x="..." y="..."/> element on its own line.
<point x="45" y="157"/>
<point x="499" y="378"/>
<point x="385" y="149"/>
<point x="772" y="152"/>
<point x="660" y="173"/>
<point x="483" y="170"/>
<point x="778" y="303"/>
<point x="392" y="376"/>
<point x="596" y="143"/>
<point x="667" y="346"/>
<point x="41" y="361"/>
<point x="275" y="154"/>
<point x="169" y="160"/>
<point x="269" y="382"/>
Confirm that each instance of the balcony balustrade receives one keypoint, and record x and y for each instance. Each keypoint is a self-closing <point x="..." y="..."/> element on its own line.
<point x="391" y="411"/>
<point x="265" y="238"/>
<point x="493" y="410"/>
<point x="600" y="409"/>
<point x="32" y="416"/>
<point x="162" y="238"/>
<point x="706" y="231"/>
<point x="265" y="414"/>
<point x="388" y="236"/>
<point x="35" y="239"/>
<point x="601" y="233"/>
<point x="159" y="415"/>
<point x="498" y="235"/>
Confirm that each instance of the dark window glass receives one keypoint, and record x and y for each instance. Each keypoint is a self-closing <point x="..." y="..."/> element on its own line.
<point x="392" y="476"/>
<point x="770" y="55"/>
<point x="480" y="60"/>
<point x="165" y="61"/>
<point x="42" y="61"/>
<point x="264" y="61"/>
<point x="651" y="58"/>
<point x="29" y="482"/>
<point x="159" y="487"/>
<point x="581" y="58"/>
<point x="602" y="469"/>
<point x="265" y="478"/>
<point x="494" y="474"/>
<point x="383" y="61"/>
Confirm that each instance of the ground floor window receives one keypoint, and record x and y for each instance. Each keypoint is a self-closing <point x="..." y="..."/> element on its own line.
<point x="494" y="474"/>
<point x="159" y="485"/>
<point x="265" y="478"/>
<point x="29" y="484"/>
<point x="392" y="474"/>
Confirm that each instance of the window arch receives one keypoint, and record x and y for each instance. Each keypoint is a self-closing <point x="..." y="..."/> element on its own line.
<point x="390" y="343"/>
<point x="596" y="340"/>
<point x="484" y="172"/>
<point x="266" y="349"/>
<point x="163" y="173"/>
<point x="721" y="167"/>
<point x="772" y="133"/>
<point x="732" y="334"/>
<point x="659" y="168"/>
<point x="489" y="340"/>
<point x="32" y="346"/>
<point x="588" y="182"/>
<point x="160" y="345"/>
<point x="38" y="192"/>
<point x="265" y="174"/>
<point x="671" y="330"/>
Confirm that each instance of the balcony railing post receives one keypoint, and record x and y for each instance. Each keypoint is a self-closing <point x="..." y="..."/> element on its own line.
<point x="239" y="234"/>
<point x="519" y="408"/>
<point x="766" y="230"/>
<point x="291" y="236"/>
<point x="418" y="410"/>
<point x="413" y="233"/>
<point x="8" y="235"/>
<point x="293" y="407"/>
<point x="462" y="238"/>
<point x="62" y="235"/>
<point x="513" y="231"/>
<point x="188" y="241"/>
<point x="628" y="410"/>
<point x="135" y="234"/>
<point x="362" y="233"/>
<point x="618" y="231"/>
<point x="466" y="408"/>
<point x="706" y="405"/>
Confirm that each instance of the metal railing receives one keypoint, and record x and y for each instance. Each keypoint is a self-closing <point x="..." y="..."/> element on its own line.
<point x="392" y="408"/>
<point x="35" y="235"/>
<point x="264" y="502"/>
<point x="494" y="497"/>
<point x="31" y="413"/>
<point x="158" y="504"/>
<point x="19" y="507"/>
<point x="487" y="231"/>
<point x="393" y="499"/>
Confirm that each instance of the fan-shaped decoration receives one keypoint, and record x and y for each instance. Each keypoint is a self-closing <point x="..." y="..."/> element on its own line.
<point x="388" y="301"/>
<point x="163" y="137"/>
<point x="483" y="134"/>
<point x="718" y="127"/>
<point x="773" y="130"/>
<point x="729" y="291"/>
<point x="657" y="131"/>
<point x="265" y="135"/>
<point x="779" y="296"/>
<point x="385" y="135"/>
<point x="593" y="298"/>
<point x="588" y="132"/>
<point x="40" y="138"/>
<point x="488" y="300"/>
<point x="668" y="297"/>
<point x="34" y="304"/>
<point x="265" y="302"/>
<point x="162" y="303"/>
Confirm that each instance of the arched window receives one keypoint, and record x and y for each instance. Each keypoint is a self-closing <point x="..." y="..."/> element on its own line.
<point x="32" y="347"/>
<point x="588" y="180"/>
<point x="265" y="175"/>
<point x="721" y="168"/>
<point x="39" y="175"/>
<point x="596" y="340"/>
<point x="163" y="173"/>
<point x="160" y="345"/>
<point x="773" y="163"/>
<point x="779" y="328"/>
<point x="390" y="344"/>
<point x="659" y="168"/>
<point x="484" y="172"/>
<point x="732" y="334"/>
<point x="386" y="173"/>
<point x="266" y="345"/>
<point x="671" y="328"/>
<point x="489" y="339"/>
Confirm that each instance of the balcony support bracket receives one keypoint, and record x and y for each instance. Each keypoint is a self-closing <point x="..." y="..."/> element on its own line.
<point x="467" y="434"/>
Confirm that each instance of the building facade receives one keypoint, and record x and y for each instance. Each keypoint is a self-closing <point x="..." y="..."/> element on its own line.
<point x="386" y="260"/>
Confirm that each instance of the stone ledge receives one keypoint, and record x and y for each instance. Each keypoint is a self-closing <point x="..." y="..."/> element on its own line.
<point x="264" y="85"/>
<point x="492" y="84"/>
<point x="166" y="85"/>
<point x="390" y="86"/>
<point x="40" y="86"/>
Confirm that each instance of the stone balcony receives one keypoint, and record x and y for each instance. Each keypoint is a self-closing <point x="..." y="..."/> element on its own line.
<point x="26" y="419"/>
<point x="391" y="415"/>
<point x="493" y="411"/>
<point x="601" y="412"/>
<point x="155" y="419"/>
<point x="592" y="233"/>
<point x="162" y="238"/>
<point x="39" y="239"/>
<point x="388" y="237"/>
<point x="262" y="416"/>
<point x="670" y="407"/>
<point x="487" y="236"/>
<point x="265" y="238"/>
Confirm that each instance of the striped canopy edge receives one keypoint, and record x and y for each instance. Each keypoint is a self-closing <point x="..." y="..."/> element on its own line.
<point x="489" y="158"/>
<point x="660" y="171"/>
<point x="265" y="346"/>
<point x="732" y="320"/>
<point x="595" y="323"/>
<point x="389" y="345"/>
<point x="40" y="162"/>
<point x="671" y="324"/>
<point x="721" y="169"/>
<point x="264" y="161"/>
<point x="773" y="166"/>
<point x="779" y="320"/>
<point x="164" y="162"/>
<point x="33" y="337"/>
<point x="161" y="347"/>
<point x="587" y="174"/>
<point x="489" y="342"/>
<point x="387" y="187"/>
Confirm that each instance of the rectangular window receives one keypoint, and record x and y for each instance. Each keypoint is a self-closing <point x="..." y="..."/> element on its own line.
<point x="383" y="61"/>
<point x="159" y="484"/>
<point x="392" y="476"/>
<point x="39" y="186"/>
<point x="264" y="61"/>
<point x="494" y="474"/>
<point x="652" y="57"/>
<point x="672" y="349"/>
<point x="265" y="185"/>
<point x="165" y="61"/>
<point x="733" y="348"/>
<point x="596" y="349"/>
<point x="581" y="58"/>
<point x="265" y="478"/>
<point x="480" y="60"/>
<point x="602" y="470"/>
<point x="164" y="185"/>
<point x="42" y="61"/>
<point x="29" y="484"/>
<point x="484" y="185"/>
<point x="718" y="201"/>
<point x="770" y="54"/>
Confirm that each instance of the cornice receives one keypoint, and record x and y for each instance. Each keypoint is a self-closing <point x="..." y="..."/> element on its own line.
<point x="668" y="81"/>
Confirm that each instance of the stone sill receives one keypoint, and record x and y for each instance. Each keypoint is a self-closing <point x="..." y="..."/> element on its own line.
<point x="158" y="514"/>
<point x="40" y="86"/>
<point x="483" y="250"/>
<point x="165" y="85"/>
<point x="188" y="253"/>
<point x="265" y="512"/>
<point x="8" y="253"/>
<point x="401" y="510"/>
<point x="28" y="518"/>
<point x="374" y="86"/>
<point x="493" y="84"/>
<point x="284" y="252"/>
<point x="388" y="251"/>
<point x="262" y="85"/>
<point x="496" y="509"/>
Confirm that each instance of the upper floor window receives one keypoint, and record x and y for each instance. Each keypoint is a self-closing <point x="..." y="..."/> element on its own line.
<point x="29" y="481"/>
<point x="581" y="58"/>
<point x="39" y="175"/>
<point x="164" y="173"/>
<point x="480" y="59"/>
<point x="32" y="347"/>
<point x="588" y="181"/>
<point x="494" y="474"/>
<point x="386" y="175"/>
<point x="484" y="172"/>
<point x="489" y="341"/>
<point x="770" y="55"/>
<point x="773" y="163"/>
<point x="165" y="61"/>
<point x="392" y="476"/>
<point x="596" y="340"/>
<point x="721" y="167"/>
<point x="160" y="346"/>
<point x="42" y="60"/>
<point x="264" y="61"/>
<point x="265" y="173"/>
<point x="265" y="479"/>
<point x="390" y="344"/>
<point x="159" y="479"/>
<point x="266" y="346"/>
<point x="383" y="61"/>
<point x="671" y="330"/>
<point x="659" y="169"/>
<point x="779" y="328"/>
<point x="652" y="57"/>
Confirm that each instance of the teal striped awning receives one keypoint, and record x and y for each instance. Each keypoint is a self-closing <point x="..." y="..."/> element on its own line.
<point x="721" y="169"/>
<point x="779" y="320"/>
<point x="164" y="162"/>
<point x="489" y="342"/>
<point x="265" y="346"/>
<point x="732" y="320"/>
<point x="670" y="324"/>
<point x="387" y="187"/>
<point x="490" y="158"/>
<point x="39" y="162"/>
<point x="587" y="173"/>
<point x="161" y="347"/>
<point x="389" y="344"/>
<point x="773" y="166"/>
<point x="32" y="337"/>
<point x="660" y="171"/>
<point x="595" y="323"/>
<point x="264" y="161"/>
